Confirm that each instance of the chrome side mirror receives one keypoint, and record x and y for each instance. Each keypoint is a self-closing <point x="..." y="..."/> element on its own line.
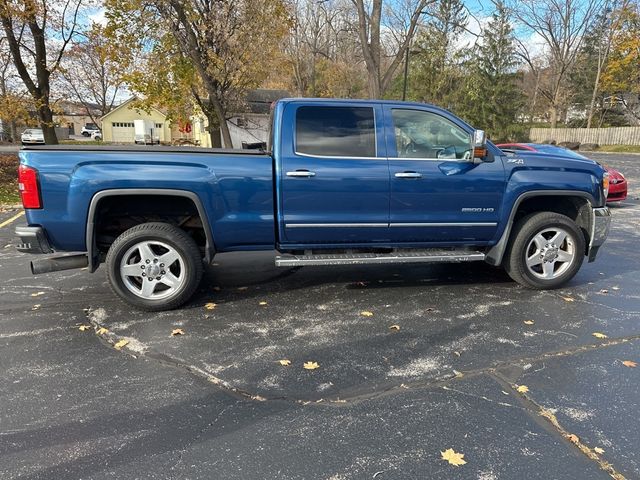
<point x="479" y="146"/>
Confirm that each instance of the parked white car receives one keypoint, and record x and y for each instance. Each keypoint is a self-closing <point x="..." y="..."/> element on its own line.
<point x="33" y="136"/>
<point x="97" y="135"/>
<point x="89" y="129"/>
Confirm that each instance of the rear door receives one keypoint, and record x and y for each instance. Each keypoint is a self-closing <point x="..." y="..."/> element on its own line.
<point x="438" y="194"/>
<point x="333" y="174"/>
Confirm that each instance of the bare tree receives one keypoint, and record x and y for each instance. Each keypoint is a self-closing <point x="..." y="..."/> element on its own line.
<point x="560" y="24"/>
<point x="28" y="25"/>
<point x="380" y="72"/>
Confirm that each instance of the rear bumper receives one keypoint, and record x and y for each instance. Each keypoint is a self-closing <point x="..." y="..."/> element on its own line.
<point x="32" y="240"/>
<point x="599" y="231"/>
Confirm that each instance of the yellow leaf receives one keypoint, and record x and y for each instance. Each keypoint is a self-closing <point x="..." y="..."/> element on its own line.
<point x="102" y="331"/>
<point x="177" y="331"/>
<point x="284" y="362"/>
<point x="37" y="294"/>
<point x="599" y="335"/>
<point x="599" y="450"/>
<point x="366" y="313"/>
<point x="394" y="327"/>
<point x="311" y="365"/>
<point x="629" y="363"/>
<point x="120" y="344"/>
<point x="210" y="306"/>
<point x="82" y="328"/>
<point x="529" y="322"/>
<point x="522" y="388"/>
<point x="454" y="458"/>
<point x="573" y="438"/>
<point x="568" y="299"/>
<point x="36" y="307"/>
<point x="262" y="303"/>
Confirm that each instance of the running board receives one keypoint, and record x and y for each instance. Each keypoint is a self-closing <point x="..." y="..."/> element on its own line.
<point x="398" y="256"/>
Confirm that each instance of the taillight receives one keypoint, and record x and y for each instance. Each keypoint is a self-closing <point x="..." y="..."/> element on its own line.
<point x="29" y="187"/>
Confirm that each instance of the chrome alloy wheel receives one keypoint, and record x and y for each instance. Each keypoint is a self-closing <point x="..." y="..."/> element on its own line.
<point x="152" y="270"/>
<point x="550" y="253"/>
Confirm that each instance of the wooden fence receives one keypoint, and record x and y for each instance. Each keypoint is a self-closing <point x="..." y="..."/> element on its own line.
<point x="601" y="136"/>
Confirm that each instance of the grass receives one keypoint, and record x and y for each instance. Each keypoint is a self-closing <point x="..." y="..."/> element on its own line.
<point x="619" y="148"/>
<point x="9" y="179"/>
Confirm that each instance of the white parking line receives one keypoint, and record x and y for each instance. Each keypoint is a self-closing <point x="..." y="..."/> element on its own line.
<point x="12" y="219"/>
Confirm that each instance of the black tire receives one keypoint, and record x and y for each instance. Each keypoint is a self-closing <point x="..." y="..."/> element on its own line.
<point x="521" y="237"/>
<point x="170" y="235"/>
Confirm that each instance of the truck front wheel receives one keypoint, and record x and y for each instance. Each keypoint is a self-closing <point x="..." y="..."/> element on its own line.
<point x="154" y="266"/>
<point x="546" y="251"/>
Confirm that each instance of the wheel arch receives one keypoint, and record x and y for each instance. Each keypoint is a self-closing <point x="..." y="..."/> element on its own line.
<point x="90" y="234"/>
<point x="545" y="200"/>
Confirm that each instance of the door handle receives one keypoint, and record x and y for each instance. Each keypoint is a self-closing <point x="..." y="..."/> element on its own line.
<point x="301" y="173"/>
<point x="408" y="175"/>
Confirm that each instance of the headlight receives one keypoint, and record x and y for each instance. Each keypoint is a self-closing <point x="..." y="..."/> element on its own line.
<point x="605" y="183"/>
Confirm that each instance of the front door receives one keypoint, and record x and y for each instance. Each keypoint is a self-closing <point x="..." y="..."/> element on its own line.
<point x="438" y="193"/>
<point x="334" y="175"/>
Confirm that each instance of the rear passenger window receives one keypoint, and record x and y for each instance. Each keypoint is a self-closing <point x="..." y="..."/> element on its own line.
<point x="336" y="131"/>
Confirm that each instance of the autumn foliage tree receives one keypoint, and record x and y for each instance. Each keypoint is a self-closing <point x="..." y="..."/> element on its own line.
<point x="30" y="28"/>
<point x="228" y="43"/>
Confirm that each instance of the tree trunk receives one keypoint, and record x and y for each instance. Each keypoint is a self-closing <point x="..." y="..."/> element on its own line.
<point x="222" y="121"/>
<point x="594" y="95"/>
<point x="45" y="115"/>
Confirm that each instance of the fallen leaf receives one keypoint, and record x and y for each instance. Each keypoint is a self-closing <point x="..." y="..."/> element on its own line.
<point x="522" y="388"/>
<point x="284" y="362"/>
<point x="120" y="344"/>
<point x="454" y="458"/>
<point x="102" y="331"/>
<point x="210" y="306"/>
<point x="82" y="328"/>
<point x="457" y="354"/>
<point x="568" y="299"/>
<point x="573" y="438"/>
<point x="599" y="335"/>
<point x="311" y="365"/>
<point x="262" y="303"/>
<point x="599" y="450"/>
<point x="394" y="327"/>
<point x="458" y="374"/>
<point x="629" y="363"/>
<point x="36" y="307"/>
<point x="529" y="322"/>
<point x="177" y="331"/>
<point x="366" y="313"/>
<point x="37" y="294"/>
<point x="604" y="290"/>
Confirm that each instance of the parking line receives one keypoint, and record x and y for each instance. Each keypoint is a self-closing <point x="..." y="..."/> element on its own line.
<point x="12" y="219"/>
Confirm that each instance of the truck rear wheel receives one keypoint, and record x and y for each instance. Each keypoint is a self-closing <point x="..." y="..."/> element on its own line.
<point x="154" y="266"/>
<point x="546" y="251"/>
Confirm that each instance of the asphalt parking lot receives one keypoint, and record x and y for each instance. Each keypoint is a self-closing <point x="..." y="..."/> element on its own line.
<point x="412" y="361"/>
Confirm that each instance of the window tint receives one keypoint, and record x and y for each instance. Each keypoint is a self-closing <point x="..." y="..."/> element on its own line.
<point x="336" y="131"/>
<point x="422" y="134"/>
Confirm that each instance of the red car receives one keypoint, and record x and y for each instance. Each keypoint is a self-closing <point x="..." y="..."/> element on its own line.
<point x="617" y="182"/>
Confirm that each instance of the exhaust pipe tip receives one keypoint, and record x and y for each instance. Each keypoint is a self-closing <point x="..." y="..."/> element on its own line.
<point x="56" y="264"/>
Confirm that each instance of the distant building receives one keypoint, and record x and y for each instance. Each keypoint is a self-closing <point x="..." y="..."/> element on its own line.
<point x="73" y="116"/>
<point x="117" y="125"/>
<point x="248" y="126"/>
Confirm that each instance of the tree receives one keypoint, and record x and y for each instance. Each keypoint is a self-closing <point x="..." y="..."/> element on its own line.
<point x="93" y="71"/>
<point x="227" y="42"/>
<point x="28" y="25"/>
<point x="561" y="25"/>
<point x="381" y="72"/>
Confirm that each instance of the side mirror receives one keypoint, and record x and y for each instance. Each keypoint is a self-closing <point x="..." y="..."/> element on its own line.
<point x="479" y="145"/>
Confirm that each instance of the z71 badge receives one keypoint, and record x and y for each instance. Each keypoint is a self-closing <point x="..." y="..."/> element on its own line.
<point x="517" y="161"/>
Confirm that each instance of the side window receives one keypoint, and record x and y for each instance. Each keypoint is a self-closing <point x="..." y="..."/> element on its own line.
<point x="422" y="134"/>
<point x="336" y="131"/>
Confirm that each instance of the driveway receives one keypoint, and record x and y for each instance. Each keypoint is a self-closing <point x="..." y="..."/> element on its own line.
<point x="411" y="361"/>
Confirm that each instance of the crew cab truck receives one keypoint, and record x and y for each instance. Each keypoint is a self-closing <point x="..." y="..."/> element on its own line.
<point x="341" y="182"/>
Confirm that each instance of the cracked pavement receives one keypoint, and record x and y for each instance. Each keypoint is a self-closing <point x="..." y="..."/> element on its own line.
<point x="215" y="402"/>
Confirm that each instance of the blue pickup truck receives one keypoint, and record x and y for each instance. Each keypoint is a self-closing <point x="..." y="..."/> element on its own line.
<point x="340" y="182"/>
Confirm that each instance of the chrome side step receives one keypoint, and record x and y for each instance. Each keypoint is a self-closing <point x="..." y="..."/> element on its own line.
<point x="396" y="256"/>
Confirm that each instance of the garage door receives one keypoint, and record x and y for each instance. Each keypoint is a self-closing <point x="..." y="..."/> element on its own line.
<point x="122" y="132"/>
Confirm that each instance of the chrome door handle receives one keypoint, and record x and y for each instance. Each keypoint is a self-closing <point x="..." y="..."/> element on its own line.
<point x="408" y="175"/>
<point x="301" y="173"/>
